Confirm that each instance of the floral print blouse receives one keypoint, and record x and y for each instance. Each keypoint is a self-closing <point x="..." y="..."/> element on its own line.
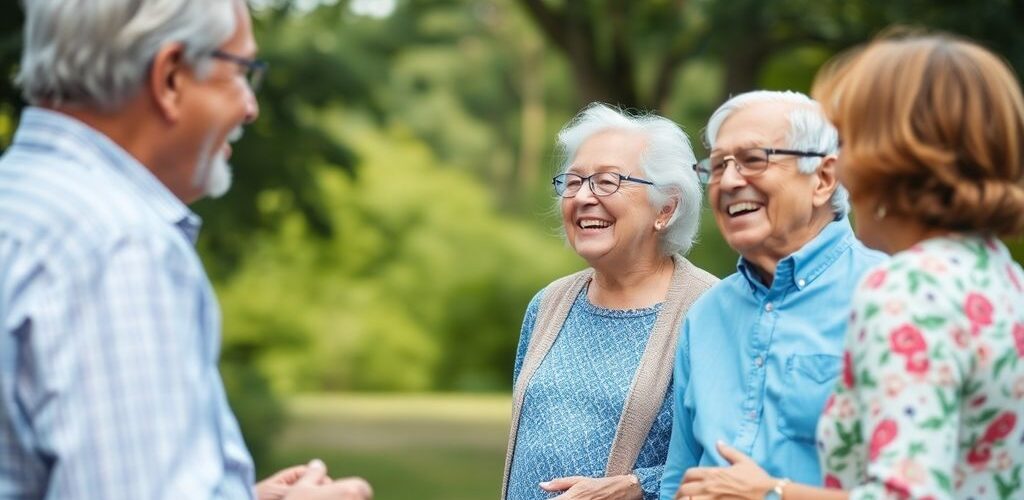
<point x="930" y="404"/>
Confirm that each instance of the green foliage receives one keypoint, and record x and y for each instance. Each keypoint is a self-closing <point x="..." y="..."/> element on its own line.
<point x="259" y="411"/>
<point x="423" y="286"/>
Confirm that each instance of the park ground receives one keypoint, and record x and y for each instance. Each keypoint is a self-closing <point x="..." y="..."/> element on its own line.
<point x="409" y="446"/>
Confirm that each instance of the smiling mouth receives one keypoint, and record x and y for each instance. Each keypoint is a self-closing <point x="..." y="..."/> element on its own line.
<point x="593" y="224"/>
<point x="742" y="208"/>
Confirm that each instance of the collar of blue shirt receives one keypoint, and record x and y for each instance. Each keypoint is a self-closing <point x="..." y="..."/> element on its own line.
<point x="803" y="266"/>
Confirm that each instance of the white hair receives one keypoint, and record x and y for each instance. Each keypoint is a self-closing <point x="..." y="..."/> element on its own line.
<point x="809" y="130"/>
<point x="97" y="52"/>
<point x="667" y="161"/>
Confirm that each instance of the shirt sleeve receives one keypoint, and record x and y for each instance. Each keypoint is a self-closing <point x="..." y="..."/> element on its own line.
<point x="117" y="373"/>
<point x="903" y="378"/>
<point x="683" y="450"/>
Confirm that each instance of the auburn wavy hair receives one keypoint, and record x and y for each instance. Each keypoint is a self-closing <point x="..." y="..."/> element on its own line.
<point x="931" y="128"/>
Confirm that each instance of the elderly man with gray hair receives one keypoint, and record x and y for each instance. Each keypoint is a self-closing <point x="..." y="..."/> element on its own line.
<point x="109" y="328"/>
<point x="759" y="353"/>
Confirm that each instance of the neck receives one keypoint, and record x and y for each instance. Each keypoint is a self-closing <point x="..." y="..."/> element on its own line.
<point x="902" y="233"/>
<point x="641" y="285"/>
<point x="766" y="262"/>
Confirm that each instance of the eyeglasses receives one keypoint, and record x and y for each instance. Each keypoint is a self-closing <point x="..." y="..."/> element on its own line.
<point x="601" y="183"/>
<point x="255" y="69"/>
<point x="749" y="162"/>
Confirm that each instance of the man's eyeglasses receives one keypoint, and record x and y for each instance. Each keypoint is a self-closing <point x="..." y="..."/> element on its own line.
<point x="749" y="162"/>
<point x="601" y="183"/>
<point x="255" y="69"/>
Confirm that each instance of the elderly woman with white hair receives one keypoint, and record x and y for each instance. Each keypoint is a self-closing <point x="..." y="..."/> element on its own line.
<point x="592" y="401"/>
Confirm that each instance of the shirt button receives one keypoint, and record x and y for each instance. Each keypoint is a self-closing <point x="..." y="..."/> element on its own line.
<point x="768" y="307"/>
<point x="759" y="361"/>
<point x="752" y="415"/>
<point x="801" y="283"/>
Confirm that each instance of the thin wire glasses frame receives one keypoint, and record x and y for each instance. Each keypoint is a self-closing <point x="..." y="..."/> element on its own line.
<point x="255" y="69"/>
<point x="601" y="183"/>
<point x="749" y="162"/>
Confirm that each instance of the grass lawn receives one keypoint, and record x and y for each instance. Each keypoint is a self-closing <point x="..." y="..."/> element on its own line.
<point x="418" y="446"/>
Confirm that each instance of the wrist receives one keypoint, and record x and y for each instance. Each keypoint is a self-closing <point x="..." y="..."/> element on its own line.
<point x="776" y="488"/>
<point x="633" y="486"/>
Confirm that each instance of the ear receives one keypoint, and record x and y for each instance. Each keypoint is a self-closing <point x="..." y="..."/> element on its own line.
<point x="666" y="213"/>
<point x="168" y="74"/>
<point x="827" y="182"/>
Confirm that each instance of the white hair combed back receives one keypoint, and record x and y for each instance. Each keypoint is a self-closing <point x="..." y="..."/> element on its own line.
<point x="97" y="52"/>
<point x="809" y="130"/>
<point x="667" y="161"/>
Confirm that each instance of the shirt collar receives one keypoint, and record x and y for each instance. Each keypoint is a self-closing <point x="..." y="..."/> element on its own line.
<point x="802" y="267"/>
<point x="66" y="136"/>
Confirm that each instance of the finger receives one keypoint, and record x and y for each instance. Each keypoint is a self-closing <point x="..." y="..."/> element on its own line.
<point x="683" y="496"/>
<point x="291" y="474"/>
<point x="695" y="474"/>
<point x="731" y="454"/>
<point x="561" y="483"/>
<point x="354" y="488"/>
<point x="316" y="470"/>
<point x="692" y="490"/>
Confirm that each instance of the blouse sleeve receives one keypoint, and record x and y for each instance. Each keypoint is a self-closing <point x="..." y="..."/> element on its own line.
<point x="902" y="376"/>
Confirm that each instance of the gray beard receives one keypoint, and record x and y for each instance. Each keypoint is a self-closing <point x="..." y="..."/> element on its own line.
<point x="214" y="176"/>
<point x="218" y="179"/>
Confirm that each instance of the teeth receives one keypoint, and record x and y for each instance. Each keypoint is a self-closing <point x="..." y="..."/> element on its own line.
<point x="593" y="223"/>
<point x="741" y="207"/>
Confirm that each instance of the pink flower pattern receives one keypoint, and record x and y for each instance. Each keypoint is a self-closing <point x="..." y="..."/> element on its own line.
<point x="907" y="407"/>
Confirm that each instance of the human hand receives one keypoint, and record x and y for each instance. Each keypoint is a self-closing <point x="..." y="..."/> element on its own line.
<point x="315" y="485"/>
<point x="594" y="488"/>
<point x="276" y="486"/>
<point x="743" y="479"/>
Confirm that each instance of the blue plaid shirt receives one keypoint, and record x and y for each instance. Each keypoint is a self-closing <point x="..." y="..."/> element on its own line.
<point x="108" y="349"/>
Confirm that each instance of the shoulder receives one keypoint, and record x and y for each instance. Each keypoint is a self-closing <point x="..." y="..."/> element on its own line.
<point x="698" y="278"/>
<point x="559" y="288"/>
<point x="52" y="205"/>
<point x="919" y="290"/>
<point x="720" y="293"/>
<point x="865" y="257"/>
<point x="55" y="196"/>
<point x="554" y="290"/>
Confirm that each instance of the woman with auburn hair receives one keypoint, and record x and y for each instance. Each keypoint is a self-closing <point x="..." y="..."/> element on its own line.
<point x="931" y="400"/>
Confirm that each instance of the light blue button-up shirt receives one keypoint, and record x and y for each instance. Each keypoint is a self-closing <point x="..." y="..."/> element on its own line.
<point x="110" y="330"/>
<point x="756" y="364"/>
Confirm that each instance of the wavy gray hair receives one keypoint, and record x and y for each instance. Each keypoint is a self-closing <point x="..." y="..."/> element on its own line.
<point x="97" y="52"/>
<point x="809" y="130"/>
<point x="667" y="161"/>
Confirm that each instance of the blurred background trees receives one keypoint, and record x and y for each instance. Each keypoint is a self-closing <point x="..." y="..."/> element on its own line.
<point x="391" y="214"/>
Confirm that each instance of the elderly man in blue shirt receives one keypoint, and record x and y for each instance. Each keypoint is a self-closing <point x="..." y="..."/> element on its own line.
<point x="109" y="328"/>
<point x="759" y="352"/>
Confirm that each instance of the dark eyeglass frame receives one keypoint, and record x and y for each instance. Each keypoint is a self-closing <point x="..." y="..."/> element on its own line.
<point x="562" y="187"/>
<point x="255" y="69"/>
<point x="706" y="172"/>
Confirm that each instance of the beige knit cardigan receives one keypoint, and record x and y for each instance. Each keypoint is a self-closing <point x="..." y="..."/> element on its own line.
<point x="647" y="391"/>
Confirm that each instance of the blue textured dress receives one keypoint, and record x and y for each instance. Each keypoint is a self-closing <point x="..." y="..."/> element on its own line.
<point x="573" y="402"/>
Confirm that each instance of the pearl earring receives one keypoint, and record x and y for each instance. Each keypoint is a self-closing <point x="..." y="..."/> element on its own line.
<point x="880" y="212"/>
